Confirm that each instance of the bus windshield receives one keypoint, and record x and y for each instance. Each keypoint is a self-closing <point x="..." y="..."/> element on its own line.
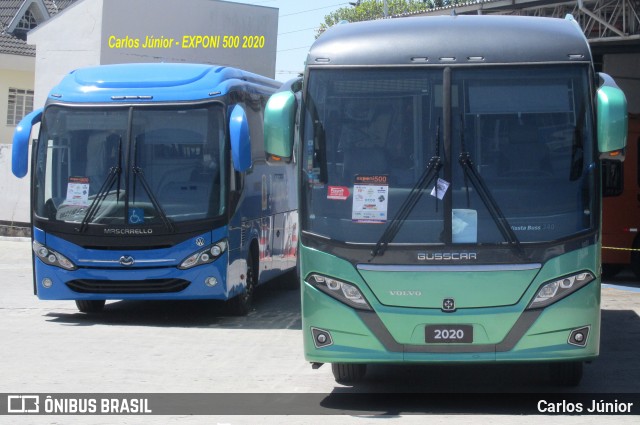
<point x="130" y="166"/>
<point x="514" y="143"/>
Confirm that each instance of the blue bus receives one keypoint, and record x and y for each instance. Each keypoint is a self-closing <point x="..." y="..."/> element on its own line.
<point x="149" y="182"/>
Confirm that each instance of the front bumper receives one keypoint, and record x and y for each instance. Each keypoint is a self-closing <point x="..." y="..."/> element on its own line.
<point x="505" y="334"/>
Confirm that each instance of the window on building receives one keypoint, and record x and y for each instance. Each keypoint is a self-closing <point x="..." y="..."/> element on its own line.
<point x="20" y="104"/>
<point x="27" y="22"/>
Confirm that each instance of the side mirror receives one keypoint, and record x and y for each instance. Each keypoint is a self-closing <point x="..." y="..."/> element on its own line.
<point x="240" y="139"/>
<point x="280" y="124"/>
<point x="20" y="149"/>
<point x="611" y="119"/>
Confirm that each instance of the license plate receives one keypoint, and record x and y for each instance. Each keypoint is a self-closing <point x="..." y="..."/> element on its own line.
<point x="435" y="334"/>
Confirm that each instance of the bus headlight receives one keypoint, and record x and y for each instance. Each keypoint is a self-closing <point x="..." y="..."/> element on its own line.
<point x="51" y="257"/>
<point x="554" y="291"/>
<point x="342" y="291"/>
<point x="204" y="256"/>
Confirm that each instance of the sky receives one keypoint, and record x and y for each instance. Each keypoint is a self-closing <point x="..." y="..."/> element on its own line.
<point x="297" y="25"/>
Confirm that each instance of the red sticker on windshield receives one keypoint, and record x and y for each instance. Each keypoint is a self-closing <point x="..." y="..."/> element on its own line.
<point x="340" y="193"/>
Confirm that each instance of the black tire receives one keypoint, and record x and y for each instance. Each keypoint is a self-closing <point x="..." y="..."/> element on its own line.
<point x="348" y="373"/>
<point x="566" y="374"/>
<point x="611" y="270"/>
<point x="90" y="306"/>
<point x="240" y="305"/>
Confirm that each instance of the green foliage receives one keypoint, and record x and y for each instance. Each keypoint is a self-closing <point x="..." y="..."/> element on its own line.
<point x="373" y="9"/>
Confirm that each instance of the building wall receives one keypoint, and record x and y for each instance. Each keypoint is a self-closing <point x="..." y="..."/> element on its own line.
<point x="16" y="72"/>
<point x="126" y="37"/>
<point x="99" y="32"/>
<point x="66" y="42"/>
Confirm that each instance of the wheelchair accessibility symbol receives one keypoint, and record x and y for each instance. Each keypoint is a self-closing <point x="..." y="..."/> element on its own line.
<point x="136" y="216"/>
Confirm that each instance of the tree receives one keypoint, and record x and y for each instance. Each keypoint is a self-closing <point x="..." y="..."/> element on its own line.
<point x="366" y="10"/>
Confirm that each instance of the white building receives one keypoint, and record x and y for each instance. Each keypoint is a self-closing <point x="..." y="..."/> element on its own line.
<point x="17" y="77"/>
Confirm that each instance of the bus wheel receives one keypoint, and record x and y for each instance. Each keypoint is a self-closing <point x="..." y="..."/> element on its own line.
<point x="90" y="306"/>
<point x="566" y="374"/>
<point x="240" y="305"/>
<point x="610" y="270"/>
<point x="348" y="373"/>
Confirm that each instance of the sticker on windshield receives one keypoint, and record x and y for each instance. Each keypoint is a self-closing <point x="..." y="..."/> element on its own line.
<point x="370" y="199"/>
<point x="339" y="193"/>
<point x="136" y="215"/>
<point x="464" y="225"/>
<point x="77" y="191"/>
<point x="440" y="188"/>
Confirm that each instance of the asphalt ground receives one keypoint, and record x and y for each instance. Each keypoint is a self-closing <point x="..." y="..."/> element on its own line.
<point x="251" y="369"/>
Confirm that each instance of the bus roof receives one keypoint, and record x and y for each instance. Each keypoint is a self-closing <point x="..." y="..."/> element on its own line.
<point x="451" y="40"/>
<point x="155" y="82"/>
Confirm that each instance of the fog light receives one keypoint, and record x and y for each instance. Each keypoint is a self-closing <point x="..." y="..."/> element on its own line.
<point x="321" y="338"/>
<point x="211" y="281"/>
<point x="47" y="283"/>
<point x="579" y="336"/>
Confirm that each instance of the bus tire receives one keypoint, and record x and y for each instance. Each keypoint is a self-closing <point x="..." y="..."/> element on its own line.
<point x="566" y="374"/>
<point x="240" y="305"/>
<point x="348" y="373"/>
<point x="610" y="270"/>
<point x="90" y="306"/>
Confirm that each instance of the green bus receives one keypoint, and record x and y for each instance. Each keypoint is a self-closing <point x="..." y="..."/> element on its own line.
<point x="450" y="176"/>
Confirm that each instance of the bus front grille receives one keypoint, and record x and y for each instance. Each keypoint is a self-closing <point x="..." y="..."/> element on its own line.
<point x="149" y="286"/>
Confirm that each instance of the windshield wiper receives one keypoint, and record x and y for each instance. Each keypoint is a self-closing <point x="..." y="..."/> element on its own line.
<point x="429" y="174"/>
<point x="477" y="181"/>
<point x="137" y="172"/>
<point x="114" y="172"/>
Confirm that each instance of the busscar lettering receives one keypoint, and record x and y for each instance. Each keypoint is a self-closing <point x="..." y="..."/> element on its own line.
<point x="447" y="256"/>
<point x="128" y="232"/>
